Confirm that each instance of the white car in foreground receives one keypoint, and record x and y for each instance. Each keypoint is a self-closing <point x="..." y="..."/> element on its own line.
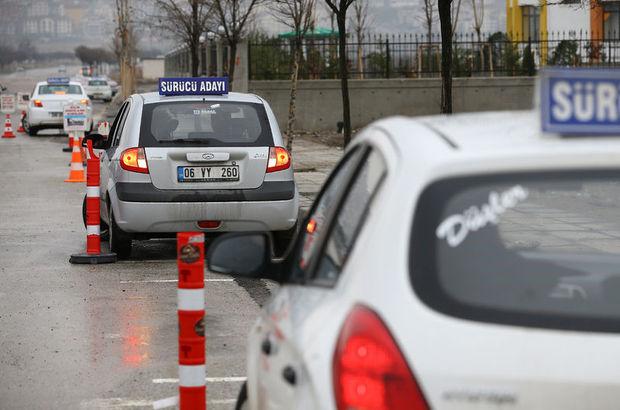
<point x="47" y="102"/>
<point x="465" y="262"/>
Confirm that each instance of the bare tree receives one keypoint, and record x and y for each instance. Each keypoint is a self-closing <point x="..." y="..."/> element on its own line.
<point x="478" y="9"/>
<point x="429" y="17"/>
<point x="340" y="8"/>
<point x="445" y="19"/>
<point x="299" y="16"/>
<point x="126" y="44"/>
<point x="331" y="16"/>
<point x="186" y="21"/>
<point x="233" y="15"/>
<point x="360" y="22"/>
<point x="454" y="15"/>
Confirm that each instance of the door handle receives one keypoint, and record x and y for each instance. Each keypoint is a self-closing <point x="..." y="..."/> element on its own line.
<point x="266" y="347"/>
<point x="289" y="374"/>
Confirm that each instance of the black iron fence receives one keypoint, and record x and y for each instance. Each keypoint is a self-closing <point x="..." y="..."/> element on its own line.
<point x="417" y="56"/>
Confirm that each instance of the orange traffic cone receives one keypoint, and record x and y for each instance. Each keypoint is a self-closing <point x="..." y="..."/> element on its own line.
<point x="82" y="149"/>
<point x="8" y="128"/>
<point x="21" y="122"/>
<point x="76" y="174"/>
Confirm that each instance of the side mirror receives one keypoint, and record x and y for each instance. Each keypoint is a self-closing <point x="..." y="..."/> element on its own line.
<point x="243" y="254"/>
<point x="99" y="141"/>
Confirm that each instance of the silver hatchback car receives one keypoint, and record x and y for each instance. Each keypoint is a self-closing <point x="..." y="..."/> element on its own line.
<point x="195" y="163"/>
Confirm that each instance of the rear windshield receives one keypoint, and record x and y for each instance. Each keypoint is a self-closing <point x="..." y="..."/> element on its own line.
<point x="537" y="250"/>
<point x="97" y="82"/>
<point x="60" y="89"/>
<point x="205" y="123"/>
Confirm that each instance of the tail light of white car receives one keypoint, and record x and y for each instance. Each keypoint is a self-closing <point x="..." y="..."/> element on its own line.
<point x="279" y="159"/>
<point x="369" y="370"/>
<point x="37" y="103"/>
<point x="85" y="101"/>
<point x="134" y="160"/>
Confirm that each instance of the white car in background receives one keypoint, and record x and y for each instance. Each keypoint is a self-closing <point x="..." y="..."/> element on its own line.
<point x="463" y="262"/>
<point x="45" y="110"/>
<point x="114" y="85"/>
<point x="98" y="88"/>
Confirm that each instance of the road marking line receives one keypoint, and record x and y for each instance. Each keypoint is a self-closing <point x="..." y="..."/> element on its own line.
<point x="173" y="280"/>
<point x="223" y="401"/>
<point x="208" y="379"/>
<point x="114" y="403"/>
<point x="165" y="403"/>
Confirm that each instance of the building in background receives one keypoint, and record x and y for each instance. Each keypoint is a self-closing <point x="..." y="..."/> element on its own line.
<point x="536" y="20"/>
<point x="57" y="25"/>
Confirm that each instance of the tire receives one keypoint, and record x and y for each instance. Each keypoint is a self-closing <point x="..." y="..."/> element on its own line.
<point x="32" y="131"/>
<point x="120" y="242"/>
<point x="242" y="398"/>
<point x="282" y="240"/>
<point x="104" y="230"/>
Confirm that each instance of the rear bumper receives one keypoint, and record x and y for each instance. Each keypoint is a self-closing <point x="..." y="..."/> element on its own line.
<point x="100" y="95"/>
<point x="147" y="192"/>
<point x="142" y="210"/>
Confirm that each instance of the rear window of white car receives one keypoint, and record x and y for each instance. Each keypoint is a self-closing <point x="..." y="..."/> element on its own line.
<point x="60" y="89"/>
<point x="205" y="123"/>
<point x="538" y="250"/>
<point x="97" y="82"/>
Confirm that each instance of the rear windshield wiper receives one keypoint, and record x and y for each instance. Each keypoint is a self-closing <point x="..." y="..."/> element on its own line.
<point x="185" y="140"/>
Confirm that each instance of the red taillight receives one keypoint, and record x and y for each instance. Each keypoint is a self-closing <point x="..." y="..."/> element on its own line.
<point x="311" y="227"/>
<point x="279" y="159"/>
<point x="369" y="371"/>
<point x="133" y="159"/>
<point x="37" y="103"/>
<point x="209" y="224"/>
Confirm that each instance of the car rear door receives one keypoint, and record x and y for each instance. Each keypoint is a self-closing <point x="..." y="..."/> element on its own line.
<point x="107" y="154"/>
<point x="283" y="377"/>
<point x="181" y="157"/>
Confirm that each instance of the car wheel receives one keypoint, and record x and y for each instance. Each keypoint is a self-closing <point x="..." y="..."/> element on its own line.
<point x="120" y="242"/>
<point x="32" y="131"/>
<point x="242" y="398"/>
<point x="104" y="230"/>
<point x="282" y="240"/>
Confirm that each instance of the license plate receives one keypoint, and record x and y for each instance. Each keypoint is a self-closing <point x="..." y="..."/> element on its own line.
<point x="55" y="114"/>
<point x="208" y="174"/>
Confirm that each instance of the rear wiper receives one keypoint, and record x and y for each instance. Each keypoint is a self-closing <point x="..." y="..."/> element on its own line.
<point x="201" y="140"/>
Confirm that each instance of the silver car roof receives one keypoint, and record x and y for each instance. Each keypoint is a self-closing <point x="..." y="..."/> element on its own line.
<point x="154" y="97"/>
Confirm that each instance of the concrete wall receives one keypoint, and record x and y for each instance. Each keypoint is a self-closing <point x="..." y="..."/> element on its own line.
<point x="319" y="102"/>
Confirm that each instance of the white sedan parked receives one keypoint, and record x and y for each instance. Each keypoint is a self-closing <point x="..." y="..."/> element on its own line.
<point x="468" y="262"/>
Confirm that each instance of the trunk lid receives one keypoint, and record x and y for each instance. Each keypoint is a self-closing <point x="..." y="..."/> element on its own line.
<point x="164" y="163"/>
<point x="490" y="367"/>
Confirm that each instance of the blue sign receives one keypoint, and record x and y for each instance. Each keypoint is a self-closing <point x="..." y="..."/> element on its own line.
<point x="58" y="80"/>
<point x="580" y="101"/>
<point x="193" y="86"/>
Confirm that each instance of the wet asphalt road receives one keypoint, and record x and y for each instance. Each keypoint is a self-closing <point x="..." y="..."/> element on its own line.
<point x="101" y="337"/>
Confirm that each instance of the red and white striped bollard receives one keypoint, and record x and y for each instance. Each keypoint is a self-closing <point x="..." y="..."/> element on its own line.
<point x="191" y="312"/>
<point x="93" y="253"/>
